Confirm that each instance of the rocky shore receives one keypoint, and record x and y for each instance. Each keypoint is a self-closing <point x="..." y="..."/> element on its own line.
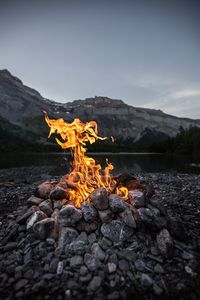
<point x="158" y="256"/>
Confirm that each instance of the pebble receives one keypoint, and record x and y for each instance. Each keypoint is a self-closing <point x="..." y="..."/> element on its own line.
<point x="60" y="268"/>
<point x="76" y="261"/>
<point x="20" y="284"/>
<point x="95" y="283"/>
<point x="99" y="198"/>
<point x="146" y="280"/>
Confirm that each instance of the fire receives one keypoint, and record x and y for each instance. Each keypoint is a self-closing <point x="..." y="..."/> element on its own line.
<point x="86" y="174"/>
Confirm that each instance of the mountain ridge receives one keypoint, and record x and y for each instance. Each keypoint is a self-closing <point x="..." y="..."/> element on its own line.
<point x="23" y="107"/>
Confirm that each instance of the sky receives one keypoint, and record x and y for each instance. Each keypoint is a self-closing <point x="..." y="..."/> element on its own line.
<point x="146" y="53"/>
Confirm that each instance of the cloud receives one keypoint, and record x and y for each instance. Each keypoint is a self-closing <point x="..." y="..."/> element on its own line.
<point x="186" y="93"/>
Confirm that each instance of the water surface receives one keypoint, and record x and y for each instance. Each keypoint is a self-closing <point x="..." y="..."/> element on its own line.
<point x="131" y="162"/>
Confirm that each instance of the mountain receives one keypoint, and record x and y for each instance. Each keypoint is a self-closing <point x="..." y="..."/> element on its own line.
<point x="22" y="118"/>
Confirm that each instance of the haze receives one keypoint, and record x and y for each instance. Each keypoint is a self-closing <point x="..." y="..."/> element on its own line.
<point x="146" y="53"/>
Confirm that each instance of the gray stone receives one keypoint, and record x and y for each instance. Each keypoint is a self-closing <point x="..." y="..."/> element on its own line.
<point x="60" y="268"/>
<point x="83" y="237"/>
<point x="140" y="265"/>
<point x="69" y="215"/>
<point x="128" y="218"/>
<point x="35" y="217"/>
<point x="146" y="280"/>
<point x="97" y="251"/>
<point x="95" y="283"/>
<point x="43" y="228"/>
<point x="116" y="231"/>
<point x="77" y="247"/>
<point x="123" y="265"/>
<point x="20" y="284"/>
<point x="111" y="267"/>
<point x="86" y="277"/>
<point x="149" y="218"/>
<point x="165" y="243"/>
<point x="34" y="200"/>
<point x="58" y="193"/>
<point x="85" y="226"/>
<point x="66" y="236"/>
<point x="44" y="189"/>
<point x="46" y="207"/>
<point x="137" y="198"/>
<point x="105" y="215"/>
<point x="76" y="261"/>
<point x="159" y="269"/>
<point x="91" y="262"/>
<point x="89" y="213"/>
<point x="54" y="265"/>
<point x="99" y="198"/>
<point x="117" y="203"/>
<point x="83" y="270"/>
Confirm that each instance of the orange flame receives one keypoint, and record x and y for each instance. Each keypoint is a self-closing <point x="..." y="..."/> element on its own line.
<point x="86" y="175"/>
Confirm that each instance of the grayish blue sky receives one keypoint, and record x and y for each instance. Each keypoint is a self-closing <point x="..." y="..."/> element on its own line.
<point x="146" y="53"/>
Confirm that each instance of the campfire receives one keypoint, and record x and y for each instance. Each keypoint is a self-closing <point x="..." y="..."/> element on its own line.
<point x="99" y="233"/>
<point x="86" y="174"/>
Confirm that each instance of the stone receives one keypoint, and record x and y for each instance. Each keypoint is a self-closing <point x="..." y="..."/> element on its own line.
<point x="149" y="218"/>
<point x="99" y="198"/>
<point x="177" y="229"/>
<point x="42" y="228"/>
<point x="46" y="207"/>
<point x="35" y="217"/>
<point x="146" y="280"/>
<point x="22" y="219"/>
<point x="20" y="284"/>
<point x="116" y="231"/>
<point x="76" y="261"/>
<point x="44" y="189"/>
<point x="10" y="246"/>
<point x="105" y="243"/>
<point x="116" y="203"/>
<point x="157" y="290"/>
<point x="66" y="236"/>
<point x="53" y="265"/>
<point x="69" y="215"/>
<point x="92" y="238"/>
<point x="140" y="265"/>
<point x="89" y="213"/>
<point x="58" y="193"/>
<point x="159" y="269"/>
<point x="60" y="268"/>
<point x="83" y="237"/>
<point x="85" y="226"/>
<point x="91" y="262"/>
<point x="95" y="283"/>
<point x="123" y="265"/>
<point x="165" y="243"/>
<point x="34" y="200"/>
<point x="97" y="251"/>
<point x="105" y="215"/>
<point x="86" y="277"/>
<point x="83" y="270"/>
<point x="136" y="198"/>
<point x="128" y="218"/>
<point x="111" y="267"/>
<point x="76" y="247"/>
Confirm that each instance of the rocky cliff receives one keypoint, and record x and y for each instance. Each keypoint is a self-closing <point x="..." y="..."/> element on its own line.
<point x="21" y="116"/>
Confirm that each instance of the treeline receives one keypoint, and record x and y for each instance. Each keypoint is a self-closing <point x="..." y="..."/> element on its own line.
<point x="187" y="141"/>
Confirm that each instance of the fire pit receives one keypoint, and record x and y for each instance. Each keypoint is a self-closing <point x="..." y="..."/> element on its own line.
<point x="90" y="234"/>
<point x="89" y="198"/>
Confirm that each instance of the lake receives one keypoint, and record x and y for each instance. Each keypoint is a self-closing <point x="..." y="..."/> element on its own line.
<point x="131" y="162"/>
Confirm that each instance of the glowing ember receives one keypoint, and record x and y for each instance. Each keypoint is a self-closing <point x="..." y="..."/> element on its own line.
<point x="86" y="175"/>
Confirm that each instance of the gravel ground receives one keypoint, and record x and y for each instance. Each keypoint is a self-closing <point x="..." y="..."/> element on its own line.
<point x="29" y="269"/>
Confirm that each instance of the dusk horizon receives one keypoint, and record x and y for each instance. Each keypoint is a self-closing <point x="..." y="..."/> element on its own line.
<point x="146" y="54"/>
